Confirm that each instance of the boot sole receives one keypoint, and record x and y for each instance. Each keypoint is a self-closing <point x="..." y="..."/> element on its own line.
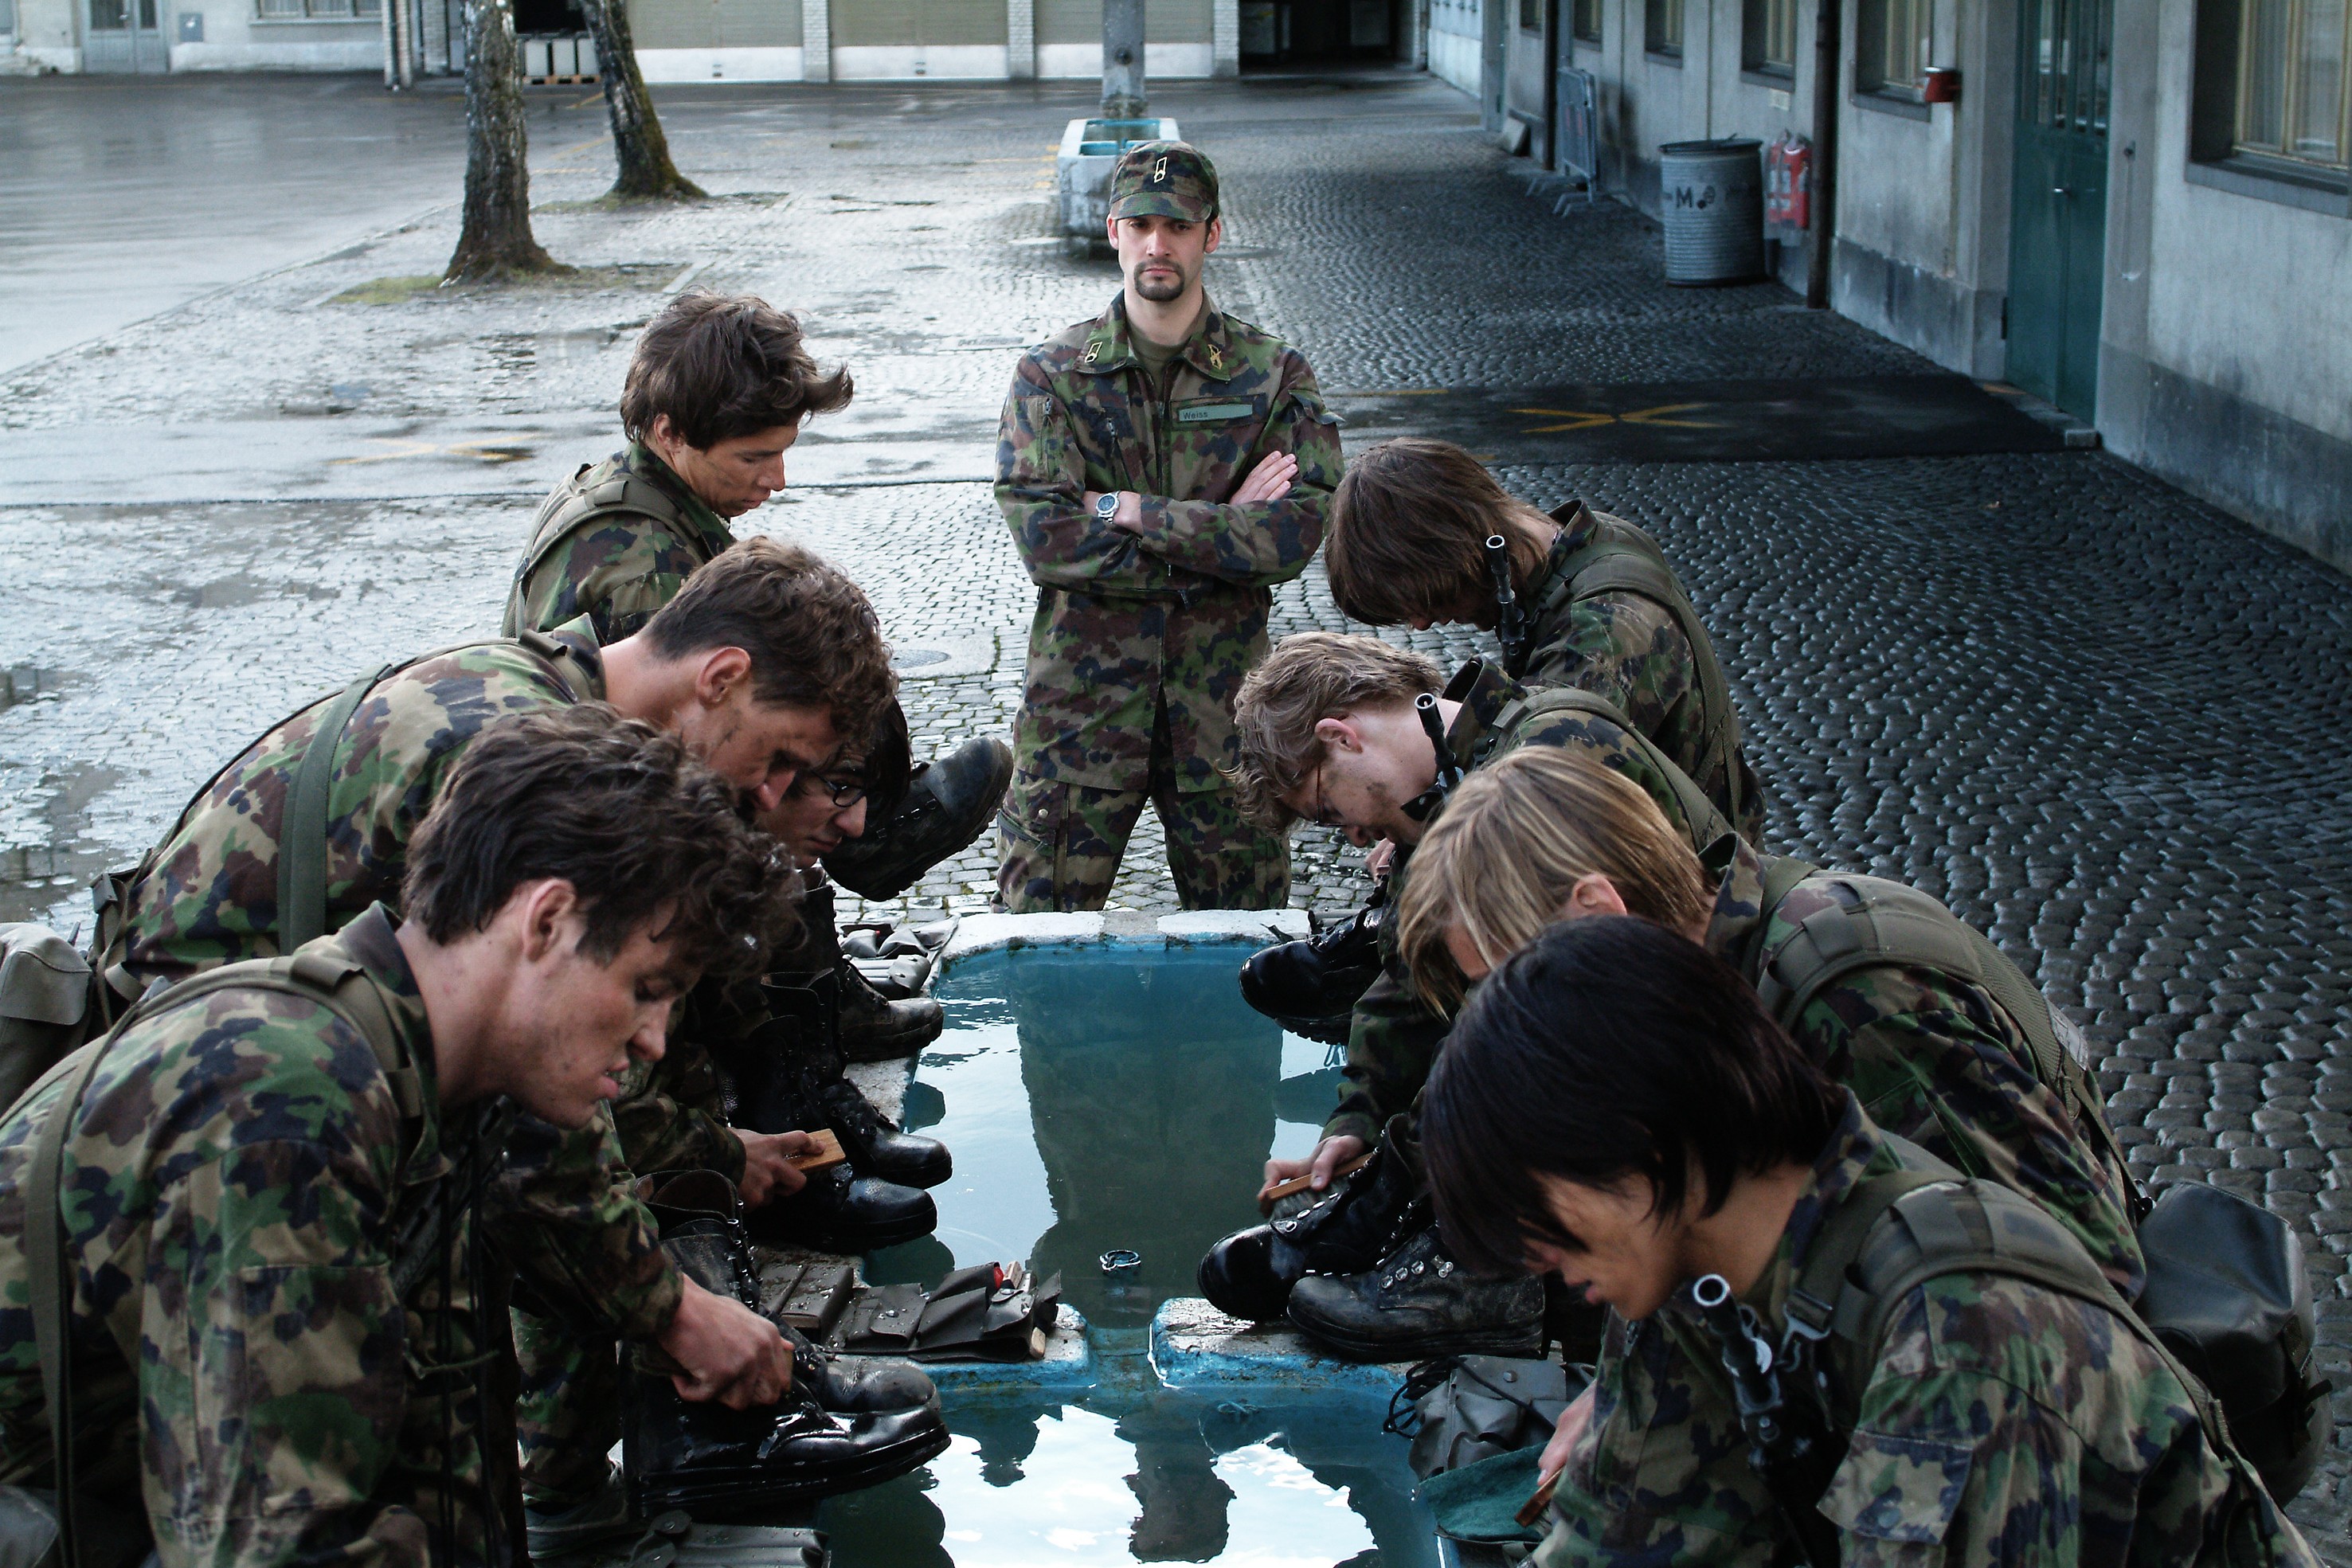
<point x="885" y="1048"/>
<point x="733" y="1494"/>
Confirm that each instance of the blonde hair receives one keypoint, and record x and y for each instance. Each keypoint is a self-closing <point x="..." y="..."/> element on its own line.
<point x="1309" y="677"/>
<point x="1515" y="839"/>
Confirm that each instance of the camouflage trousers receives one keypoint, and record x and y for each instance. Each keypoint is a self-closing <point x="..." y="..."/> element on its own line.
<point x="1058" y="847"/>
<point x="569" y="1415"/>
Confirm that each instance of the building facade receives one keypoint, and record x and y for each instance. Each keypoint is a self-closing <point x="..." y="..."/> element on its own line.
<point x="2135" y="209"/>
<point x="677" y="40"/>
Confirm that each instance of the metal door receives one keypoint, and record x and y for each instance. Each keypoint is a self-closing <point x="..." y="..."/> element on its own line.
<point x="124" y="35"/>
<point x="2058" y="208"/>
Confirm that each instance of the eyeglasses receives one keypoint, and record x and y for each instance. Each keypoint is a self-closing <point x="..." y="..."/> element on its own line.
<point x="845" y="792"/>
<point x="1322" y="816"/>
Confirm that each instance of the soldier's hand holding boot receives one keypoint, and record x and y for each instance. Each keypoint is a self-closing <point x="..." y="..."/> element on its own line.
<point x="1319" y="1167"/>
<point x="768" y="1168"/>
<point x="725" y="1350"/>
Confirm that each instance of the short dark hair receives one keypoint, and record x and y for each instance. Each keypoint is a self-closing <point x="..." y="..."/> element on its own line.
<point x="724" y="365"/>
<point x="813" y="636"/>
<point x="641" y="830"/>
<point x="1608" y="1048"/>
<point x="1410" y="522"/>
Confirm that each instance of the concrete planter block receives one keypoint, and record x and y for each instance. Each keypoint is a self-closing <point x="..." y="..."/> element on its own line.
<point x="1090" y="150"/>
<point x="1193" y="1346"/>
<point x="1257" y="927"/>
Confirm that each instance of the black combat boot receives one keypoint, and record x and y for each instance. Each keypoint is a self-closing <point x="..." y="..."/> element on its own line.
<point x="872" y="1027"/>
<point x="836" y="1430"/>
<point x="949" y="804"/>
<point x="873" y="1142"/>
<point x="1310" y="987"/>
<point x="1250" y="1273"/>
<point x="1418" y="1303"/>
<point x="875" y="1028"/>
<point x="842" y="1209"/>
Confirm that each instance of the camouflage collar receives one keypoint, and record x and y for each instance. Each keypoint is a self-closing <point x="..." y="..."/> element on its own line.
<point x="711" y="531"/>
<point x="1854" y="1150"/>
<point x="1739" y="895"/>
<point x="1111" y="344"/>
<point x="370" y="942"/>
<point x="1483" y="692"/>
<point x="1577" y="527"/>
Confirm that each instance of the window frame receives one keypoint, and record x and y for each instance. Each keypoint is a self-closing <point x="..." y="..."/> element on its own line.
<point x="1664" y="16"/>
<point x="2218" y="158"/>
<point x="2292" y="85"/>
<point x="1756" y="24"/>
<point x="1580" y="30"/>
<point x="1874" y="38"/>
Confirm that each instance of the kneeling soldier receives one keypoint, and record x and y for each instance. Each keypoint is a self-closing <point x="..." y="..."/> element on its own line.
<point x="1924" y="1366"/>
<point x="238" y="1239"/>
<point x="1349" y="732"/>
<point x="1896" y="1001"/>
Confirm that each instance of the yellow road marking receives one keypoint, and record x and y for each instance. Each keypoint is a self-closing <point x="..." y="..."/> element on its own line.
<point x="1582" y="419"/>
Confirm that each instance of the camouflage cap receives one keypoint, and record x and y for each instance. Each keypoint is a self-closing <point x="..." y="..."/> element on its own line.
<point x="1171" y="179"/>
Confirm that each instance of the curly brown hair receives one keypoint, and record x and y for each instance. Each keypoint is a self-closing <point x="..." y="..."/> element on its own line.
<point x="722" y="366"/>
<point x="1310" y="676"/>
<point x="646" y="835"/>
<point x="810" y="632"/>
<point x="1408" y="535"/>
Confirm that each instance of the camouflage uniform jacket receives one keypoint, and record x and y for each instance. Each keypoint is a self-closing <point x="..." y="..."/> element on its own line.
<point x="1158" y="623"/>
<point x="613" y="543"/>
<point x="1393" y="1038"/>
<point x="236" y="1178"/>
<point x="1630" y="647"/>
<point x="210" y="897"/>
<point x="2001" y="1422"/>
<point x="209" y="894"/>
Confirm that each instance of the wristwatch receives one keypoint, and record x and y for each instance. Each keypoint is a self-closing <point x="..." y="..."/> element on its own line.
<point x="1107" y="509"/>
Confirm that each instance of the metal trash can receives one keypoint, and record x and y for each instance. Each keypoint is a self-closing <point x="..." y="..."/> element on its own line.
<point x="1712" y="196"/>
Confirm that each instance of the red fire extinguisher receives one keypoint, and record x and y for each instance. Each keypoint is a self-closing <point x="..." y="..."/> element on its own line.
<point x="1788" y="186"/>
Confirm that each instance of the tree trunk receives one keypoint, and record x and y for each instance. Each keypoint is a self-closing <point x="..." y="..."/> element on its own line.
<point x="647" y="175"/>
<point x="496" y="243"/>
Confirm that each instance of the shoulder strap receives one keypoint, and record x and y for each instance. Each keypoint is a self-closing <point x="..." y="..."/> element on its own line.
<point x="1702" y="822"/>
<point x="1621" y="558"/>
<point x="302" y="836"/>
<point x="1891" y="923"/>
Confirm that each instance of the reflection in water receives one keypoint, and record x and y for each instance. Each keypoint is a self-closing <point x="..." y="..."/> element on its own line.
<point x="1123" y="1097"/>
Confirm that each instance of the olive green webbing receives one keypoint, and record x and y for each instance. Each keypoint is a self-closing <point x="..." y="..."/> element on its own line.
<point x="302" y="834"/>
<point x="636" y="495"/>
<point x="1621" y="558"/>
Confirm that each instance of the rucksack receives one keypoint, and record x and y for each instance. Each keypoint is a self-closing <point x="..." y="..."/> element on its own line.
<point x="2225" y="1290"/>
<point x="1799" y="1400"/>
<point x="1621" y="558"/>
<point x="49" y="1526"/>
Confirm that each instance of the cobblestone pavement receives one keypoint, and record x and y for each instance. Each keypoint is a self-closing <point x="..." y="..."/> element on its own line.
<point x="2099" y="718"/>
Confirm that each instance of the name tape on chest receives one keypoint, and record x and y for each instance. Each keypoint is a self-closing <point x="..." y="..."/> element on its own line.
<point x="1215" y="411"/>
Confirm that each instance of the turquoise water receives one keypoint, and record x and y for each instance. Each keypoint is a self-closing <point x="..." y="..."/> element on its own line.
<point x="1106" y="1097"/>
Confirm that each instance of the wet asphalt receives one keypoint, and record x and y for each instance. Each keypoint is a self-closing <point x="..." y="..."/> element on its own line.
<point x="2100" y="719"/>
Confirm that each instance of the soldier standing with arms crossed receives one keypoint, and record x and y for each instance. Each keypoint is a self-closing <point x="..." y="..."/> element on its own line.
<point x="1161" y="467"/>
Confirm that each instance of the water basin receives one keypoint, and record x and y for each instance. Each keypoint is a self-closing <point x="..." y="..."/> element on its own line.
<point x="1113" y="1095"/>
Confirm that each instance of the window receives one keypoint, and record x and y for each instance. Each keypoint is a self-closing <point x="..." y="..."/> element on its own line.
<point x="1661" y="26"/>
<point x="1894" y="47"/>
<point x="1530" y="15"/>
<point x="2291" y="82"/>
<point x="1584" y="21"/>
<point x="1768" y="38"/>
